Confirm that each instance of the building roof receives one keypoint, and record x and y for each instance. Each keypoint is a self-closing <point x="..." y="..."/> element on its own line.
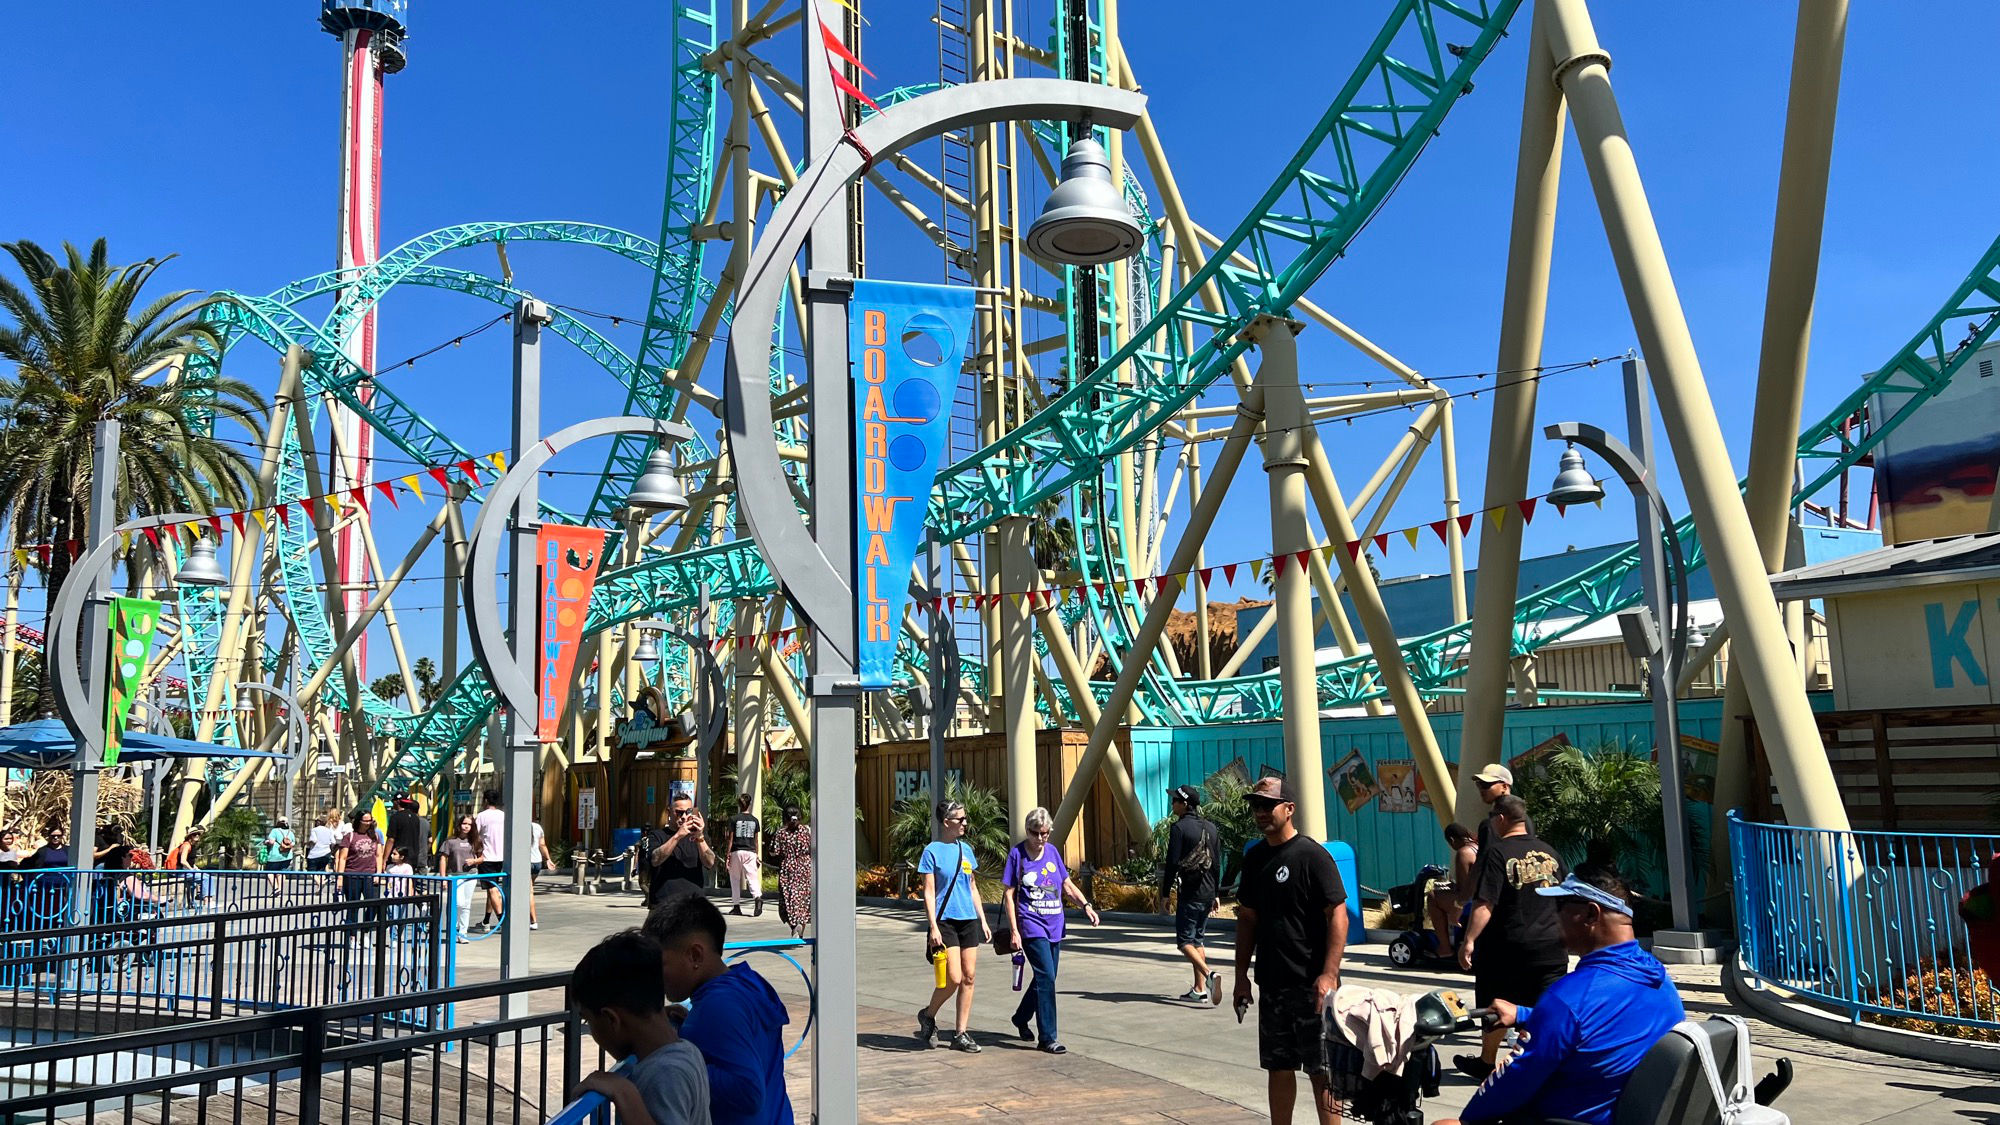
<point x="1961" y="558"/>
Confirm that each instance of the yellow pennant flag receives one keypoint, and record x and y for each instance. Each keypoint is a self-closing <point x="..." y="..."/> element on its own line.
<point x="263" y="518"/>
<point x="1497" y="515"/>
<point x="125" y="541"/>
<point x="21" y="559"/>
<point x="332" y="500"/>
<point x="1410" y="533"/>
<point x="1120" y="586"/>
<point x="499" y="461"/>
<point x="1257" y="568"/>
<point x="414" y="484"/>
<point x="1326" y="554"/>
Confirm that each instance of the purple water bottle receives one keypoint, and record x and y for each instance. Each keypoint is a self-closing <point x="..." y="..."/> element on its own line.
<point x="1020" y="966"/>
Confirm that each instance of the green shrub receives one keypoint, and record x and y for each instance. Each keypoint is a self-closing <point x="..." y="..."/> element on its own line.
<point x="1600" y="806"/>
<point x="987" y="830"/>
<point x="1222" y="803"/>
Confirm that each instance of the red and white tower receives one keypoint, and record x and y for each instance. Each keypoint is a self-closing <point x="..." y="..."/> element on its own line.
<point x="371" y="36"/>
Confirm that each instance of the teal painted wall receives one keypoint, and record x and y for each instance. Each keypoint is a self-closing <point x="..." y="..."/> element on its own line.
<point x="1390" y="846"/>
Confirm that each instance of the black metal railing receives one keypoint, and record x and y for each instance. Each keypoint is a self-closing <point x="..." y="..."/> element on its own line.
<point x="127" y="973"/>
<point x="515" y="1056"/>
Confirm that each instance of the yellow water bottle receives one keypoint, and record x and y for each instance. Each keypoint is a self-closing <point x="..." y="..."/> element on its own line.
<point x="939" y="976"/>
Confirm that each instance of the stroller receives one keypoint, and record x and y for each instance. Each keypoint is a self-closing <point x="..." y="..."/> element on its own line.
<point x="1397" y="1099"/>
<point x="1416" y="947"/>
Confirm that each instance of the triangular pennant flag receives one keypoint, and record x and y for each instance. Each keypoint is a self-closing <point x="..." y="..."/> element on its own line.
<point x="1256" y="568"/>
<point x="438" y="474"/>
<point x="1527" y="508"/>
<point x="1439" y="527"/>
<point x="1411" y="534"/>
<point x="1207" y="573"/>
<point x="1326" y="553"/>
<point x="359" y="494"/>
<point x="1497" y="515"/>
<point x="74" y="547"/>
<point x="152" y="536"/>
<point x="1599" y="502"/>
<point x="45" y="553"/>
<point x="1229" y="572"/>
<point x="841" y="83"/>
<point x="215" y="525"/>
<point x="498" y="461"/>
<point x="415" y="483"/>
<point x="470" y="468"/>
<point x="237" y="519"/>
<point x="388" y="490"/>
<point x="305" y="502"/>
<point x="1562" y="510"/>
<point x="124" y="543"/>
<point x="1354" y="548"/>
<point x="1304" y="559"/>
<point x="21" y="554"/>
<point x="1278" y="566"/>
<point x="1382" y="544"/>
<point x="839" y="48"/>
<point x="262" y="516"/>
<point x="1465" y="525"/>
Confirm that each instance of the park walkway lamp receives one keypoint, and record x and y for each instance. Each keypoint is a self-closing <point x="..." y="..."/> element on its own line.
<point x="648" y="650"/>
<point x="201" y="569"/>
<point x="1574" y="484"/>
<point x="659" y="488"/>
<point x="1085" y="221"/>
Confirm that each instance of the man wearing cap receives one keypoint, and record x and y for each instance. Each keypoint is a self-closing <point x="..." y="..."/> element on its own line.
<point x="1495" y="781"/>
<point x="1592" y="1027"/>
<point x="406" y="831"/>
<point x="1511" y="941"/>
<point x="1194" y="862"/>
<point x="1291" y="919"/>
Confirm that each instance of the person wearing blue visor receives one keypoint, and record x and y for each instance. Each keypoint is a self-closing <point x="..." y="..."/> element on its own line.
<point x="1590" y="1029"/>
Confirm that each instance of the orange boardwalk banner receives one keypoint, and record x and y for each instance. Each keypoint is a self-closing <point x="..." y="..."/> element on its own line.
<point x="907" y="344"/>
<point x="567" y="559"/>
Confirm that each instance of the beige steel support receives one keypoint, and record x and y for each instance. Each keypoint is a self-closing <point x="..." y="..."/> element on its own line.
<point x="1510" y="449"/>
<point x="1017" y="662"/>
<point x="1454" y="538"/>
<point x="1331" y="609"/>
<point x="606" y="646"/>
<point x="242" y="568"/>
<point x="7" y="655"/>
<point x="454" y="577"/>
<point x="1200" y="519"/>
<point x="360" y="754"/>
<point x="1381" y="633"/>
<point x="1761" y="655"/>
<point x="337" y="659"/>
<point x="1202" y="659"/>
<point x="1285" y="464"/>
<point x="1074" y="678"/>
<point x="749" y="713"/>
<point x="780" y="679"/>
<point x="1699" y="660"/>
<point x="1804" y="167"/>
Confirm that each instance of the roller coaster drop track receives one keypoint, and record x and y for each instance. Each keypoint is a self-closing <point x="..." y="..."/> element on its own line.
<point x="1368" y="138"/>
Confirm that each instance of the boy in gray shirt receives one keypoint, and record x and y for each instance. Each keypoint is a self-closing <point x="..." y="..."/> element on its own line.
<point x="620" y="991"/>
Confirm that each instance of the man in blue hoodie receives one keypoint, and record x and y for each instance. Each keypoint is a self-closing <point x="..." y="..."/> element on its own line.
<point x="734" y="1015"/>
<point x="1590" y="1029"/>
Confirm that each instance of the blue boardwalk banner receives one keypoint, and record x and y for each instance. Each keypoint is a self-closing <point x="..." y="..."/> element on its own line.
<point x="907" y="343"/>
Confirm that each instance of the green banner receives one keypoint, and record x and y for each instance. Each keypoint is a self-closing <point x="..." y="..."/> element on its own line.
<point x="133" y="623"/>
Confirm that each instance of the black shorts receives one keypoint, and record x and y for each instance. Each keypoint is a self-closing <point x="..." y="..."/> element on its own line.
<point x="494" y="868"/>
<point x="1507" y="977"/>
<point x="1290" y="1033"/>
<point x="1191" y="922"/>
<point x="960" y="932"/>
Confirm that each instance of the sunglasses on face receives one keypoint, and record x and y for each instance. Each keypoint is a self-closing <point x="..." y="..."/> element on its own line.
<point x="1041" y="832"/>
<point x="954" y="820"/>
<point x="1266" y="802"/>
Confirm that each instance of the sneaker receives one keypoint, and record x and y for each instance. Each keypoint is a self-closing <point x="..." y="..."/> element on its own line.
<point x="534" y="925"/>
<point x="1021" y="1026"/>
<point x="963" y="1042"/>
<point x="736" y="911"/>
<point x="757" y="908"/>
<point x="1053" y="1049"/>
<point x="1215" y="989"/>
<point x="926" y="1028"/>
<point x="1473" y="1067"/>
<point x="478" y="928"/>
<point x="463" y="940"/>
<point x="1193" y="996"/>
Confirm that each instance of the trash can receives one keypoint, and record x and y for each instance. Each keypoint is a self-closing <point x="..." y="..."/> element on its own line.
<point x="622" y="840"/>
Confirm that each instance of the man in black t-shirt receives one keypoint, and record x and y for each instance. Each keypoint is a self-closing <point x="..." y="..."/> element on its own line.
<point x="1291" y="919"/>
<point x="743" y="865"/>
<point x="1194" y="861"/>
<point x="1512" y="942"/>
<point x="680" y="862"/>
<point x="1495" y="781"/>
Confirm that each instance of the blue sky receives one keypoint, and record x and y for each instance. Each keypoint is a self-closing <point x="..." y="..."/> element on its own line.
<point x="211" y="131"/>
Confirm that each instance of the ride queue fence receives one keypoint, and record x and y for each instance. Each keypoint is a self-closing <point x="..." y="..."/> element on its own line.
<point x="1866" y="923"/>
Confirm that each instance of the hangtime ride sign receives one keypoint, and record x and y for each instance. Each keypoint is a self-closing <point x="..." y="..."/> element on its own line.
<point x="908" y="343"/>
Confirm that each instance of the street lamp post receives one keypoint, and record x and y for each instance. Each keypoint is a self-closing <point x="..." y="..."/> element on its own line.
<point x="712" y="718"/>
<point x="1659" y="633"/>
<point x="295" y="737"/>
<point x="816" y="567"/>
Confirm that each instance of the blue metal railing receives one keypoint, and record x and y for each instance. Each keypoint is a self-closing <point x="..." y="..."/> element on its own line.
<point x="1865" y="922"/>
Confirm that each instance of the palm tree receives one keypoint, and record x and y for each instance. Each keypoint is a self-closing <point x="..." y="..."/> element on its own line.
<point x="429" y="690"/>
<point x="1599" y="806"/>
<point x="388" y="688"/>
<point x="83" y="352"/>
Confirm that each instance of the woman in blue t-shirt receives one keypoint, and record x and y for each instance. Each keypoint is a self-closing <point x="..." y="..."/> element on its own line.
<point x="957" y="923"/>
<point x="1037" y="882"/>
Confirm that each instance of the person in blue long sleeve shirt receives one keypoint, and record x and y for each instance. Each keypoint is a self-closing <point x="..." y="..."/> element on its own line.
<point x="735" y="1016"/>
<point x="1590" y="1029"/>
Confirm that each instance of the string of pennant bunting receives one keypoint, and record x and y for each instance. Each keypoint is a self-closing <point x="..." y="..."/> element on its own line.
<point x="361" y="496"/>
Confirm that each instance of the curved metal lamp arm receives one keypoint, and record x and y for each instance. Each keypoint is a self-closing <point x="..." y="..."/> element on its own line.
<point x="295" y="716"/>
<point x="1633" y="472"/>
<point x="714" y="722"/>
<point x="818" y="587"/>
<point x="513" y="683"/>
<point x="59" y="651"/>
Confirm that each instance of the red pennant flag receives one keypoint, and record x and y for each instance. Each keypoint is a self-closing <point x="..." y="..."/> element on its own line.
<point x="285" y="514"/>
<point x="152" y="536"/>
<point x="1439" y="527"/>
<point x="307" y="502"/>
<point x="438" y="474"/>
<point x="841" y="83"/>
<point x="1303" y="558"/>
<point x="1354" y="548"/>
<point x="1464" y="525"/>
<point x="1562" y="511"/>
<point x="470" y="468"/>
<point x="359" y="494"/>
<point x="1278" y="566"/>
<point x="74" y="547"/>
<point x="47" y="554"/>
<point x="1229" y="572"/>
<point x="237" y="519"/>
<point x="1527" y="509"/>
<point x="215" y="525"/>
<point x="389" y="490"/>
<point x="1098" y="586"/>
<point x="834" y="44"/>
<point x="1382" y="543"/>
<point x="1207" y="573"/>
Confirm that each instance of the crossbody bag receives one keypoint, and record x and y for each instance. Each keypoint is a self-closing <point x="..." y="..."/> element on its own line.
<point x="931" y="947"/>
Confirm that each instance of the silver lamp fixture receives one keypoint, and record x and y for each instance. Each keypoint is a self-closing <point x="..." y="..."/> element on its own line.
<point x="648" y="651"/>
<point x="1574" y="484"/>
<point x="658" y="488"/>
<point x="200" y="569"/>
<point x="1085" y="221"/>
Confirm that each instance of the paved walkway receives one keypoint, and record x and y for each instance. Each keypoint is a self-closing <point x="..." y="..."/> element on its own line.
<point x="1138" y="1056"/>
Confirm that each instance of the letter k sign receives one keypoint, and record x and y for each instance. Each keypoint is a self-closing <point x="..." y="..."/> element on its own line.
<point x="1949" y="646"/>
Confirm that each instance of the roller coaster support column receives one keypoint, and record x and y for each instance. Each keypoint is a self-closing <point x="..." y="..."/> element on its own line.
<point x="1762" y="656"/>
<point x="1510" y="449"/>
<point x="1781" y="367"/>
<point x="749" y="712"/>
<point x="1017" y="670"/>
<point x="1285" y="424"/>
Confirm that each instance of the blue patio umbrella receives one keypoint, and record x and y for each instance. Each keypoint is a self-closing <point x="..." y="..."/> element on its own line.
<point x="47" y="744"/>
